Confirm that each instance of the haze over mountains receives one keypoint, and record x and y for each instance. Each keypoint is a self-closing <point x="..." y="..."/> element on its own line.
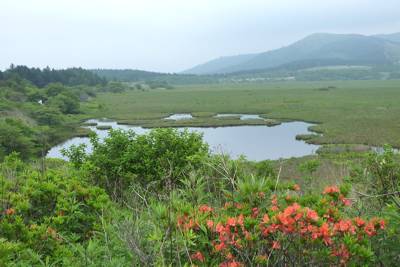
<point x="320" y="49"/>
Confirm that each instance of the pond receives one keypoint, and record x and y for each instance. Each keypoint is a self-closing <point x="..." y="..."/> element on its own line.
<point x="254" y="142"/>
<point x="178" y="117"/>
<point x="242" y="116"/>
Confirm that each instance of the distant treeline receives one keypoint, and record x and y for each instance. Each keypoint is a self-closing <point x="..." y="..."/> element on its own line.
<point x="129" y="75"/>
<point x="42" y="77"/>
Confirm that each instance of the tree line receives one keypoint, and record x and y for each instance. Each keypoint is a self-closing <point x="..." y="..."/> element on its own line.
<point x="42" y="77"/>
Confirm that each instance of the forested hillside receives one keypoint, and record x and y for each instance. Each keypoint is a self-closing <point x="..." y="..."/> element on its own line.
<point x="40" y="108"/>
<point x="42" y="77"/>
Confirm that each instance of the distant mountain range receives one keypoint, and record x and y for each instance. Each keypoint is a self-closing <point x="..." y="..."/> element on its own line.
<point x="316" y="50"/>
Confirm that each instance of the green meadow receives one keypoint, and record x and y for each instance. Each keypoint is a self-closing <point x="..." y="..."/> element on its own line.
<point x="346" y="112"/>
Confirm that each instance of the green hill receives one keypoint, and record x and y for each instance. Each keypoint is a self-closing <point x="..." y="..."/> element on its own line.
<point x="314" y="50"/>
<point x="214" y="66"/>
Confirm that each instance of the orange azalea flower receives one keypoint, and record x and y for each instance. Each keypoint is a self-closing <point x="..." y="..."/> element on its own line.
<point x="10" y="211"/>
<point x="276" y="245"/>
<point x="254" y="212"/>
<point x="343" y="253"/>
<point x="296" y="206"/>
<point x="359" y="222"/>
<point x="231" y="264"/>
<point x="346" y="202"/>
<point x="324" y="229"/>
<point x="247" y="235"/>
<point x="274" y="208"/>
<point x="265" y="218"/>
<point x="220" y="246"/>
<point x="240" y="220"/>
<point x="312" y="215"/>
<point x="197" y="256"/>
<point x="296" y="187"/>
<point x="219" y="228"/>
<point x="315" y="235"/>
<point x="330" y="190"/>
<point x="298" y="216"/>
<point x="238" y="206"/>
<point x="370" y="229"/>
<point x="205" y="208"/>
<point x="345" y="226"/>
<point x="274" y="200"/>
<point x="229" y="256"/>
<point x="285" y="220"/>
<point x="292" y="209"/>
<point x="190" y="224"/>
<point x="231" y="221"/>
<point x="325" y="234"/>
<point x="210" y="224"/>
<point x="382" y="224"/>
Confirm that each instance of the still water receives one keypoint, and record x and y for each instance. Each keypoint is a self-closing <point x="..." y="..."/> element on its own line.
<point x="254" y="142"/>
<point x="180" y="116"/>
<point x="242" y="116"/>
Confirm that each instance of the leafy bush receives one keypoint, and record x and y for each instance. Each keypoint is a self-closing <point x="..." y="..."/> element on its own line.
<point x="162" y="156"/>
<point x="44" y="218"/>
<point x="15" y="135"/>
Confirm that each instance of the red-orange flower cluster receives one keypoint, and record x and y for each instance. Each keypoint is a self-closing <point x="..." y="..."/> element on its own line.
<point x="197" y="256"/>
<point x="331" y="190"/>
<point x="275" y="224"/>
<point x="205" y="209"/>
<point x="10" y="211"/>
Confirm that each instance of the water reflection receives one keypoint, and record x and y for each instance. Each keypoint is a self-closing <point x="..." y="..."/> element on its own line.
<point x="177" y="117"/>
<point x="254" y="142"/>
<point x="242" y="116"/>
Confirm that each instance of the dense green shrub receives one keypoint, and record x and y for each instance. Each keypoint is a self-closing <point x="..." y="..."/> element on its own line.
<point x="47" y="217"/>
<point x="154" y="160"/>
<point x="15" y="135"/>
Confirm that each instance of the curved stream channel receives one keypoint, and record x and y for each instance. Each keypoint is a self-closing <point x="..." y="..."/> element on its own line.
<point x="254" y="142"/>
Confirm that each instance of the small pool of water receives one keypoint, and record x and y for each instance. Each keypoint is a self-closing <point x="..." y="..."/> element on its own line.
<point x="178" y="117"/>
<point x="242" y="116"/>
<point x="254" y="142"/>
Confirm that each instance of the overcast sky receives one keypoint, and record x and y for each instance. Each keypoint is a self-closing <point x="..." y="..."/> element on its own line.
<point x="172" y="35"/>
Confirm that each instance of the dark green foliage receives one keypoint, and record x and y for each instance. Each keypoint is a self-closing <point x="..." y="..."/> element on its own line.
<point x="152" y="160"/>
<point x="158" y="84"/>
<point x="384" y="177"/>
<point x="379" y="174"/>
<point x="50" y="218"/>
<point x="265" y="169"/>
<point x="45" y="115"/>
<point x="15" y="135"/>
<point x="114" y="87"/>
<point x="40" y="78"/>
<point x="67" y="103"/>
<point x="129" y="75"/>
